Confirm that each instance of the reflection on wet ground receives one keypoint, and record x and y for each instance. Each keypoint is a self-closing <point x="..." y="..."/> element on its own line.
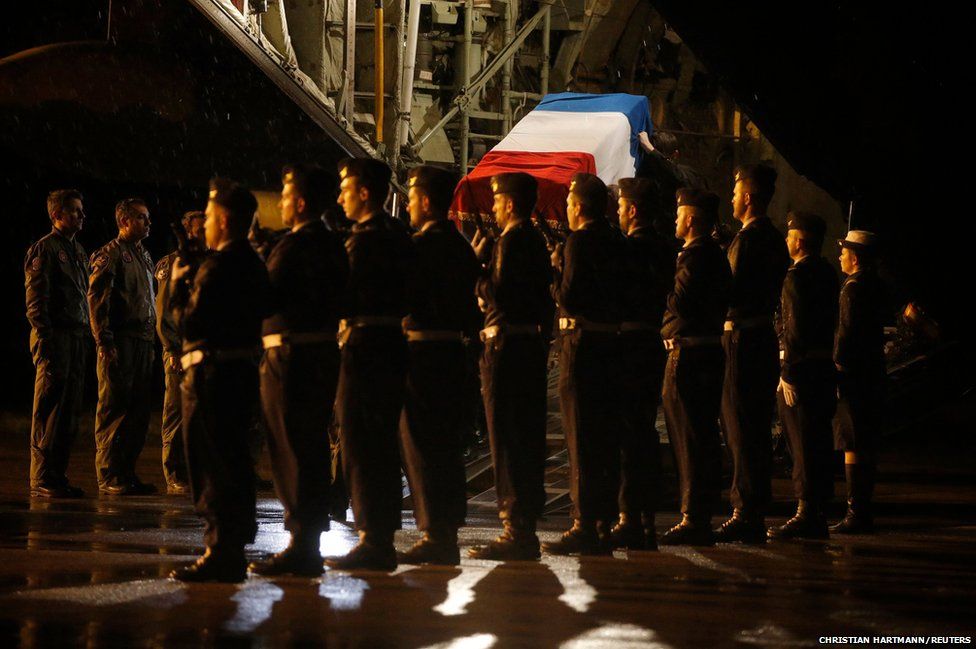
<point x="93" y="572"/>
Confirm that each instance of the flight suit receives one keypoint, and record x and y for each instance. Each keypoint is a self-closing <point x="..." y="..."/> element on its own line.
<point x="174" y="456"/>
<point x="56" y="281"/>
<point x="123" y="315"/>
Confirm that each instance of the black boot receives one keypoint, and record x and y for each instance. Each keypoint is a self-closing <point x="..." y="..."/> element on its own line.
<point x="627" y="534"/>
<point x="300" y="558"/>
<point x="373" y="552"/>
<point x="742" y="528"/>
<point x="690" y="531"/>
<point x="518" y="542"/>
<point x="582" y="538"/>
<point x="860" y="488"/>
<point x="216" y="564"/>
<point x="439" y="548"/>
<point x="807" y="523"/>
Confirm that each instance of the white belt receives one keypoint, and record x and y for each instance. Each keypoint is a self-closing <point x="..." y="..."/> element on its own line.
<point x="432" y="335"/>
<point x="285" y="338"/>
<point x="197" y="356"/>
<point x="691" y="341"/>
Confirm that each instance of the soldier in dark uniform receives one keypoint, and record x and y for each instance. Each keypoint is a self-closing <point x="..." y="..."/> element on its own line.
<point x="174" y="457"/>
<point x="374" y="360"/>
<point x="219" y="309"/>
<point x="515" y="294"/>
<point x="759" y="259"/>
<point x="123" y="320"/>
<point x="443" y="311"/>
<point x="650" y="275"/>
<point x="308" y="270"/>
<point x="859" y="358"/>
<point x="588" y="290"/>
<point x="807" y="393"/>
<point x="56" y="282"/>
<point x="692" y="392"/>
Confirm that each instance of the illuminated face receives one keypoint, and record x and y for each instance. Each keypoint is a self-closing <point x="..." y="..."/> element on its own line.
<point x="291" y="205"/>
<point x="739" y="206"/>
<point x="213" y="227"/>
<point x="574" y="212"/>
<point x="71" y="218"/>
<point x="352" y="198"/>
<point x="626" y="211"/>
<point x="683" y="222"/>
<point x="502" y="209"/>
<point x="135" y="225"/>
<point x="418" y="206"/>
<point x="793" y="239"/>
<point x="195" y="230"/>
<point x="848" y="261"/>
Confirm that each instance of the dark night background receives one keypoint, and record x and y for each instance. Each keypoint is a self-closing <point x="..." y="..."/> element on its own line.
<point x="858" y="98"/>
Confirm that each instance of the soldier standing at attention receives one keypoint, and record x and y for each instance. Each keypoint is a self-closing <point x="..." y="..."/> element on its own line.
<point x="174" y="457"/>
<point x="759" y="260"/>
<point x="308" y="271"/>
<point x="515" y="294"/>
<point x="56" y="282"/>
<point x="807" y="393"/>
<point x="123" y="321"/>
<point x="443" y="311"/>
<point x="588" y="291"/>
<point x="650" y="275"/>
<point x="374" y="363"/>
<point x="859" y="358"/>
<point x="692" y="392"/>
<point x="219" y="311"/>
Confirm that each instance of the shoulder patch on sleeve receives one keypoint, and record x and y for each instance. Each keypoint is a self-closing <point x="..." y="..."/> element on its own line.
<point x="35" y="264"/>
<point x="62" y="256"/>
<point x="99" y="260"/>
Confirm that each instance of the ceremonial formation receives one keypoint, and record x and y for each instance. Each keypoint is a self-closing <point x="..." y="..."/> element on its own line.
<point x="350" y="336"/>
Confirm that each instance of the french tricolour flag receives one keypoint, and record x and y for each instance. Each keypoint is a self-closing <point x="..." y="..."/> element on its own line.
<point x="566" y="133"/>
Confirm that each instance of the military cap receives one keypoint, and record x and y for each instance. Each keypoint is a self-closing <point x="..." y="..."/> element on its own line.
<point x="369" y="170"/>
<point x="236" y="198"/>
<point x="591" y="191"/>
<point x="516" y="184"/>
<point x="437" y="183"/>
<point x="859" y="240"/>
<point x="636" y="190"/>
<point x="807" y="222"/>
<point x="699" y="198"/>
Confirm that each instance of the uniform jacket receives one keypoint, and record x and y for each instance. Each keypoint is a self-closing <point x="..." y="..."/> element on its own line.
<point x="759" y="261"/>
<point x="809" y="315"/>
<point x="859" y="343"/>
<point x="380" y="258"/>
<point x="516" y="285"/>
<point x="166" y="325"/>
<point x="308" y="270"/>
<point x="56" y="281"/>
<point x="591" y="283"/>
<point x="699" y="299"/>
<point x="229" y="299"/>
<point x="650" y="275"/>
<point x="441" y="293"/>
<point x="120" y="292"/>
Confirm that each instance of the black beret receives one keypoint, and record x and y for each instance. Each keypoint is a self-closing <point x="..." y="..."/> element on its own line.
<point x="637" y="190"/>
<point x="699" y="198"/>
<point x="234" y="197"/>
<point x="807" y="222"/>
<point x="369" y="170"/>
<point x="434" y="181"/>
<point x="591" y="190"/>
<point x="515" y="184"/>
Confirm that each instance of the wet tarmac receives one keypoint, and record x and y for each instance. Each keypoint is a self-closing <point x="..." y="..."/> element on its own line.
<point x="92" y="573"/>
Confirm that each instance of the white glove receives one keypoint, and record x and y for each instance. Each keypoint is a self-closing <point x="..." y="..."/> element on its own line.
<point x="789" y="393"/>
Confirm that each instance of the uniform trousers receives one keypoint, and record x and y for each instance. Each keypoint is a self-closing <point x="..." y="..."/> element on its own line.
<point x="174" y="455"/>
<point x="807" y="425"/>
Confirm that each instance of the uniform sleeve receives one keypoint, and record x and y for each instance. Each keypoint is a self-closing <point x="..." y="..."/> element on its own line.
<point x="100" y="283"/>
<point x="571" y="282"/>
<point x="792" y="310"/>
<point x="194" y="316"/>
<point x="845" y="325"/>
<point x="37" y="282"/>
<point x="743" y="276"/>
<point x="682" y="296"/>
<point x="166" y="328"/>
